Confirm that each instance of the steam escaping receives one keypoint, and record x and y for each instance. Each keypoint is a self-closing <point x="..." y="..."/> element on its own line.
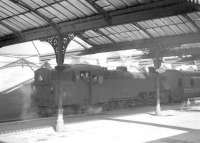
<point x="29" y="110"/>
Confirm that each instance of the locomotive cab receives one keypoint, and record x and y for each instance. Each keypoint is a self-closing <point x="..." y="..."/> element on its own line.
<point x="43" y="91"/>
<point x="76" y="86"/>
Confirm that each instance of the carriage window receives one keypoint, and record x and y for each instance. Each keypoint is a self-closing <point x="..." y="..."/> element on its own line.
<point x="180" y="82"/>
<point x="192" y="82"/>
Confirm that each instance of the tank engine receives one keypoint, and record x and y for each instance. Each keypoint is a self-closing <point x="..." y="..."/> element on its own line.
<point x="75" y="87"/>
<point x="84" y="86"/>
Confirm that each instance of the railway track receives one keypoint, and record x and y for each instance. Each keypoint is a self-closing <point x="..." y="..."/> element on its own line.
<point x="26" y="125"/>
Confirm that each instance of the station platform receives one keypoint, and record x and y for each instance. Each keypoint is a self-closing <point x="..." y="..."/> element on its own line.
<point x="139" y="125"/>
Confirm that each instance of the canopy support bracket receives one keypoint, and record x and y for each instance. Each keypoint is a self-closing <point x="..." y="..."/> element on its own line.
<point x="60" y="43"/>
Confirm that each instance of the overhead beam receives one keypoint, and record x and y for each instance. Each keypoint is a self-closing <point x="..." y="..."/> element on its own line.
<point x="107" y="17"/>
<point x="81" y="44"/>
<point x="101" y="33"/>
<point x="154" y="10"/>
<point x="191" y="21"/>
<point x="100" y="10"/>
<point x="9" y="39"/>
<point x="144" y="30"/>
<point x="17" y="33"/>
<point x="83" y="38"/>
<point x="169" y="41"/>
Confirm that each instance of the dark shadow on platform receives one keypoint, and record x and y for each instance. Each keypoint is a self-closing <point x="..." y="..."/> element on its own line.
<point x="189" y="137"/>
<point x="154" y="114"/>
<point x="2" y="142"/>
<point x="192" y="110"/>
<point x="151" y="124"/>
<point x="144" y="109"/>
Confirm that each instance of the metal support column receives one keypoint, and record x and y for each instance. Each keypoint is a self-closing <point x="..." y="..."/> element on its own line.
<point x="60" y="121"/>
<point x="158" y="109"/>
<point x="157" y="64"/>
<point x="90" y="91"/>
<point x="60" y="44"/>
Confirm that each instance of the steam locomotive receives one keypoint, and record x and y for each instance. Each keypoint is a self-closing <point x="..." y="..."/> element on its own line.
<point x="84" y="86"/>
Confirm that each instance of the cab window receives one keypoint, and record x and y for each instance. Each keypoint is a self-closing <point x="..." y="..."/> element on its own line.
<point x="84" y="75"/>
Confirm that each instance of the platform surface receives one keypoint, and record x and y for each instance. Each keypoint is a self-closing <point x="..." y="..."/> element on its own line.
<point x="138" y="125"/>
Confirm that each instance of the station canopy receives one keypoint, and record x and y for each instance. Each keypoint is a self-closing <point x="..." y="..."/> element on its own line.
<point x="100" y="26"/>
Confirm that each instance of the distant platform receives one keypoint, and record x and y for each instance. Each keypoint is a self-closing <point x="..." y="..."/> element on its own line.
<point x="139" y="125"/>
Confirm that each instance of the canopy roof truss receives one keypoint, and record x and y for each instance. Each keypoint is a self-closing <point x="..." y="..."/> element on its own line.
<point x="107" y="25"/>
